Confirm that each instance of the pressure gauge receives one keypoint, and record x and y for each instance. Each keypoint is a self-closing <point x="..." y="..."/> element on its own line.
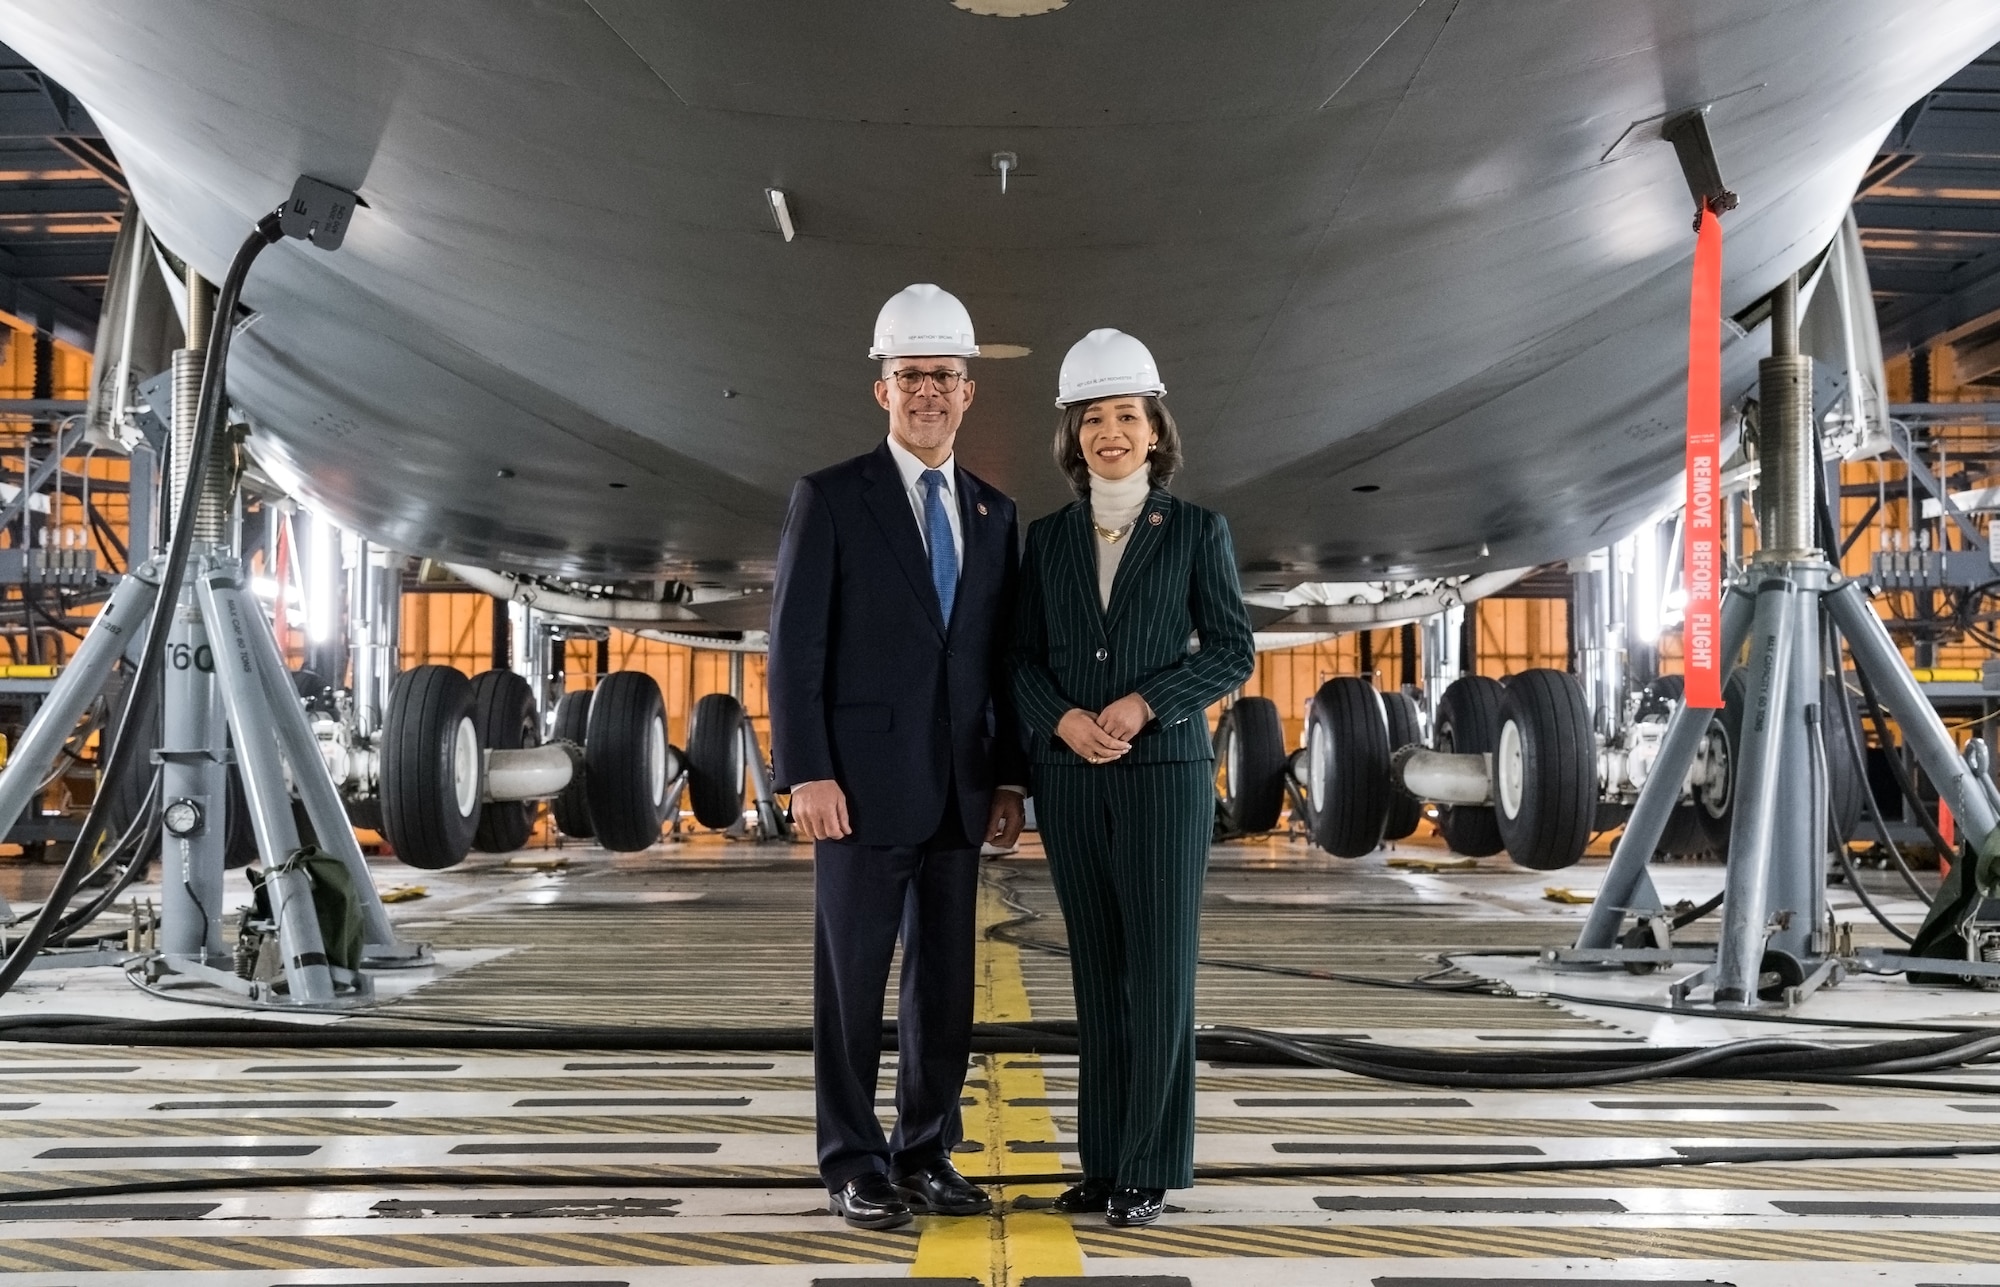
<point x="183" y="818"/>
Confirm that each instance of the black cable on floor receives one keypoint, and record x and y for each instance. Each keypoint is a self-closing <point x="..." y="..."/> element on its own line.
<point x="125" y="749"/>
<point x="1687" y="1156"/>
<point x="1007" y="931"/>
<point x="1816" y="740"/>
<point x="1859" y="757"/>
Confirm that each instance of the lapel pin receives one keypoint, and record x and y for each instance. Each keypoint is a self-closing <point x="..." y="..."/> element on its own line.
<point x="1154" y="518"/>
<point x="981" y="507"/>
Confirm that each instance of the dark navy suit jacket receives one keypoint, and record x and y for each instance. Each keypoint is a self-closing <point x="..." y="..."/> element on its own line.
<point x="1175" y="631"/>
<point x="869" y="686"/>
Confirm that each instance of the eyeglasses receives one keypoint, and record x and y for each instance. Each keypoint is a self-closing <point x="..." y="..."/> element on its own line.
<point x="911" y="380"/>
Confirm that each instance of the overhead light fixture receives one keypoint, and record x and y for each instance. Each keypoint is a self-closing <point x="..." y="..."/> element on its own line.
<point x="781" y="211"/>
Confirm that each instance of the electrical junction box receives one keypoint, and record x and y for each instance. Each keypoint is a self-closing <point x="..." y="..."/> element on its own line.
<point x="317" y="212"/>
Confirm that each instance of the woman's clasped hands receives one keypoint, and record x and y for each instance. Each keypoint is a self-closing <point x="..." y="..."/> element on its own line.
<point x="1107" y="735"/>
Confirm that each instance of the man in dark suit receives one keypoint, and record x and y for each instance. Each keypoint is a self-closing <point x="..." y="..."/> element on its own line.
<point x="890" y="726"/>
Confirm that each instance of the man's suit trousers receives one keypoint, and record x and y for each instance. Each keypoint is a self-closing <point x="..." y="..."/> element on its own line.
<point x="863" y="897"/>
<point x="1128" y="850"/>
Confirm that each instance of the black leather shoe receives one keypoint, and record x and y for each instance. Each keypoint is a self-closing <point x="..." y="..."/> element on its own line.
<point x="941" y="1190"/>
<point x="1129" y="1207"/>
<point x="869" y="1202"/>
<point x="1086" y="1198"/>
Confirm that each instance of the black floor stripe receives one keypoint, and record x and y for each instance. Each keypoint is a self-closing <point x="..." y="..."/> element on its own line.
<point x="273" y="1103"/>
<point x="1413" y="1150"/>
<point x="619" y="1146"/>
<point x="626" y="1101"/>
<point x="1716" y="1105"/>
<point x="1357" y="1101"/>
<point x="940" y="1282"/>
<point x="347" y="1068"/>
<point x="536" y="1208"/>
<point x="1980" y="1210"/>
<point x="1114" y="1280"/>
<point x="1472" y="1205"/>
<point x="1557" y="1282"/>
<point x="1556" y="1036"/>
<point x="655" y="1065"/>
<point x="65" y="1070"/>
<point x="185" y="1150"/>
<point x="526" y="1282"/>
<point x="108" y="1211"/>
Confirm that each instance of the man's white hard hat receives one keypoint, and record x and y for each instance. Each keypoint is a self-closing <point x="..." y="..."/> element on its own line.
<point x="923" y="321"/>
<point x="1107" y="364"/>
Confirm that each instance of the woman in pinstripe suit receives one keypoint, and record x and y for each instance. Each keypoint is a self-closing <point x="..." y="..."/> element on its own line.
<point x="1130" y="623"/>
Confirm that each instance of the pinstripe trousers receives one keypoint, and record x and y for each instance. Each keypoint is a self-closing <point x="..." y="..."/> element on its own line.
<point x="1128" y="849"/>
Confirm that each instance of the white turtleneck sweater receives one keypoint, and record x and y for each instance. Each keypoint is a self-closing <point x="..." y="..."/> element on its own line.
<point x="1115" y="505"/>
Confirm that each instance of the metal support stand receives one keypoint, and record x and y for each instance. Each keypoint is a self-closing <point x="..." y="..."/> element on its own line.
<point x="1776" y="942"/>
<point x="771" y="821"/>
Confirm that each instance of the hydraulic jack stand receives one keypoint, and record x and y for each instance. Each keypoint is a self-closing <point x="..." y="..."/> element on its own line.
<point x="217" y="650"/>
<point x="1776" y="944"/>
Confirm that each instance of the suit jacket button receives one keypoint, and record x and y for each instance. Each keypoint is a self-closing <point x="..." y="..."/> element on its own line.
<point x="1103" y="653"/>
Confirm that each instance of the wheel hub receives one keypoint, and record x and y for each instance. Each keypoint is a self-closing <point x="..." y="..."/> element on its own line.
<point x="1509" y="770"/>
<point x="465" y="768"/>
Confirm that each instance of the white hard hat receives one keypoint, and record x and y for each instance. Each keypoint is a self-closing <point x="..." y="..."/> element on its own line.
<point x="923" y="321"/>
<point x="1106" y="364"/>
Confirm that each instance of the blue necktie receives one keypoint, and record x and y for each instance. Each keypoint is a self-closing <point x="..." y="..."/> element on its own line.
<point x="937" y="530"/>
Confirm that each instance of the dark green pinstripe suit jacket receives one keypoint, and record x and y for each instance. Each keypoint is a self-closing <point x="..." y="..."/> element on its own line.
<point x="1176" y="585"/>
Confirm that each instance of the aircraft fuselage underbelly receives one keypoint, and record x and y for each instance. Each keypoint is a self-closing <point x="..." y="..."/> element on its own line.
<point x="1429" y="247"/>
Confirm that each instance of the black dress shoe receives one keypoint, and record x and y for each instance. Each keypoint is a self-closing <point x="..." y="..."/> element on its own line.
<point x="1086" y="1198"/>
<point x="869" y="1202"/>
<point x="1129" y="1207"/>
<point x="941" y="1190"/>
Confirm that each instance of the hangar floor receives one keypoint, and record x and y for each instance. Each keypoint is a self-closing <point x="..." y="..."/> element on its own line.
<point x="711" y="933"/>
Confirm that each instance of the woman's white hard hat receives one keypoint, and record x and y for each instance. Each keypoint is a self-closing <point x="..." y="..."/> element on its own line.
<point x="923" y="321"/>
<point x="1107" y="363"/>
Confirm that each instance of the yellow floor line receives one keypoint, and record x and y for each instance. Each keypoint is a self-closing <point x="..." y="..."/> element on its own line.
<point x="1008" y="1247"/>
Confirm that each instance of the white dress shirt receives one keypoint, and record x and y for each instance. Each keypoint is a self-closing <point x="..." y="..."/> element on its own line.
<point x="912" y="470"/>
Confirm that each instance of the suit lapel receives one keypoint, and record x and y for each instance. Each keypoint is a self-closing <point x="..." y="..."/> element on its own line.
<point x="1081" y="541"/>
<point x="889" y="505"/>
<point x="976" y="529"/>
<point x="1147" y="535"/>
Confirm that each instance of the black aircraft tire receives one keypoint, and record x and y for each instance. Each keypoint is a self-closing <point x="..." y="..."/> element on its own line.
<point x="136" y="787"/>
<point x="1348" y="750"/>
<point x="1468" y="723"/>
<point x="239" y="831"/>
<point x="1683" y="836"/>
<point x="1716" y="805"/>
<point x="365" y="814"/>
<point x="432" y="772"/>
<point x="1545" y="770"/>
<point x="1845" y="782"/>
<point x="715" y="761"/>
<point x="503" y="710"/>
<point x="1252" y="756"/>
<point x="1406" y="812"/>
<point x="572" y="807"/>
<point x="627" y="761"/>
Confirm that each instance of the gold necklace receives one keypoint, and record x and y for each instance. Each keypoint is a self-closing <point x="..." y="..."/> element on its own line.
<point x="1113" y="535"/>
